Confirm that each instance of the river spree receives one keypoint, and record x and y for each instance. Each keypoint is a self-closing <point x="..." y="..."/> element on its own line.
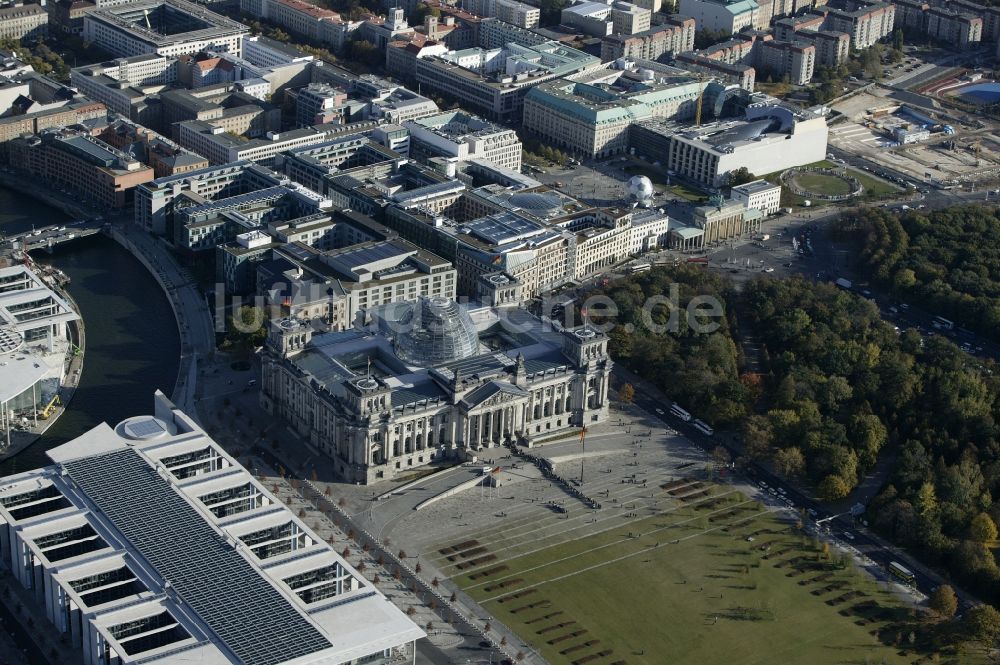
<point x="132" y="342"/>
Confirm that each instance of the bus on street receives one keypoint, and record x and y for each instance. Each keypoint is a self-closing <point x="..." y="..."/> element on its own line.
<point x="680" y="413"/>
<point x="901" y="572"/>
<point x="703" y="427"/>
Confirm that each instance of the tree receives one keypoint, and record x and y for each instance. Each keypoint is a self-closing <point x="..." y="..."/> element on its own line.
<point x="757" y="437"/>
<point x="983" y="622"/>
<point x="789" y="462"/>
<point x="983" y="528"/>
<point x="833" y="487"/>
<point x="247" y="328"/>
<point x="740" y="176"/>
<point x="897" y="39"/>
<point x="363" y="51"/>
<point x="627" y="393"/>
<point x="926" y="502"/>
<point x="944" y="601"/>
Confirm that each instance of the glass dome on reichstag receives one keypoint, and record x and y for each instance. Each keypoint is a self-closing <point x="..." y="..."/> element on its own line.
<point x="430" y="331"/>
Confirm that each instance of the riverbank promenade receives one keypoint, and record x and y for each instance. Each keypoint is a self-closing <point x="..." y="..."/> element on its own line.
<point x="194" y="321"/>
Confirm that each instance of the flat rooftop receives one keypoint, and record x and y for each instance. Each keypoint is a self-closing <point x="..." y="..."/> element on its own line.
<point x="170" y="21"/>
<point x="212" y="555"/>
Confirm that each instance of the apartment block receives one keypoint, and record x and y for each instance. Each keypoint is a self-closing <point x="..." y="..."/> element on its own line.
<point x="674" y="36"/>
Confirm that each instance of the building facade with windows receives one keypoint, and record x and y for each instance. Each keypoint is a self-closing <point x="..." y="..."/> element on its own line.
<point x="495" y="81"/>
<point x="430" y="380"/>
<point x="24" y="22"/>
<point x="759" y="195"/>
<point x="147" y="542"/>
<point x="166" y="27"/>
<point x="88" y="166"/>
<point x="590" y="114"/>
<point x="464" y="136"/>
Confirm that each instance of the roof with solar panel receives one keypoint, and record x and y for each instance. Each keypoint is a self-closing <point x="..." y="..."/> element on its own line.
<point x="173" y="552"/>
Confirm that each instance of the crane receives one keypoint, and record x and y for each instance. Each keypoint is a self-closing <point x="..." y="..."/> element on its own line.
<point x="47" y="411"/>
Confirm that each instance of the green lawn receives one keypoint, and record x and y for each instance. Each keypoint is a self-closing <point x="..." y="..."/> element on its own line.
<point x="821" y="183"/>
<point x="709" y="597"/>
<point x="875" y="186"/>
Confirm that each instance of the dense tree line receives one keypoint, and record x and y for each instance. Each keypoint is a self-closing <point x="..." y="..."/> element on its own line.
<point x="843" y="385"/>
<point x="830" y="364"/>
<point x="700" y="371"/>
<point x="947" y="260"/>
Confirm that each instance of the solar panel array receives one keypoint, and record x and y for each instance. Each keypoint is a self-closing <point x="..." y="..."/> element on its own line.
<point x="255" y="622"/>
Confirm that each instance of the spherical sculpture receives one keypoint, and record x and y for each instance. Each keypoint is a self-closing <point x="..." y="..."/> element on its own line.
<point x="640" y="189"/>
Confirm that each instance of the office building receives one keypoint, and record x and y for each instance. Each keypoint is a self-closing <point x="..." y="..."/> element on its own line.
<point x="759" y="195"/>
<point x="166" y="27"/>
<point x="163" y="155"/>
<point x="123" y="84"/>
<point x="201" y="226"/>
<point x="462" y="136"/>
<point x="590" y="114"/>
<point x="304" y="20"/>
<point x="674" y="36"/>
<point x="310" y="165"/>
<point x="866" y="21"/>
<point x="154" y="201"/>
<point x="371" y="273"/>
<point x="495" y="81"/>
<point x="318" y="103"/>
<point x="34" y="123"/>
<point x="35" y="342"/>
<point x="147" y="542"/>
<point x="730" y="16"/>
<point x="494" y="34"/>
<point x="599" y="19"/>
<point x="24" y="22"/>
<point x="771" y="138"/>
<point x="89" y="167"/>
<point x="213" y="142"/>
<point x="509" y="11"/>
<point x="445" y="382"/>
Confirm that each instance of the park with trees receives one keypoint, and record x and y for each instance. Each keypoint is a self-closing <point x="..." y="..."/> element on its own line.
<point x="946" y="259"/>
<point x="838" y="389"/>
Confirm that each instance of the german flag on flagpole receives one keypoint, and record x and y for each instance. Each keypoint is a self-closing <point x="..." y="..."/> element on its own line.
<point x="583" y="432"/>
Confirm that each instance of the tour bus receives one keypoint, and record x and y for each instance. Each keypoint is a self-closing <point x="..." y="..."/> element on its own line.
<point x="703" y="427"/>
<point x="942" y="323"/>
<point x="901" y="572"/>
<point x="680" y="413"/>
<point x="639" y="267"/>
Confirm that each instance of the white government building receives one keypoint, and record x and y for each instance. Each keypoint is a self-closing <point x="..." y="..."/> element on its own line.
<point x="34" y="346"/>
<point x="147" y="543"/>
<point x="433" y="379"/>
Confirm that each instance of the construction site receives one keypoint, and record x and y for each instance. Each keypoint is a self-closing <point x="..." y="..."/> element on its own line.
<point x="918" y="136"/>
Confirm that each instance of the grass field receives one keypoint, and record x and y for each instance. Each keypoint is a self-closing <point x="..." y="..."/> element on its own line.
<point x="874" y="186"/>
<point x="684" y="586"/>
<point x="821" y="183"/>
